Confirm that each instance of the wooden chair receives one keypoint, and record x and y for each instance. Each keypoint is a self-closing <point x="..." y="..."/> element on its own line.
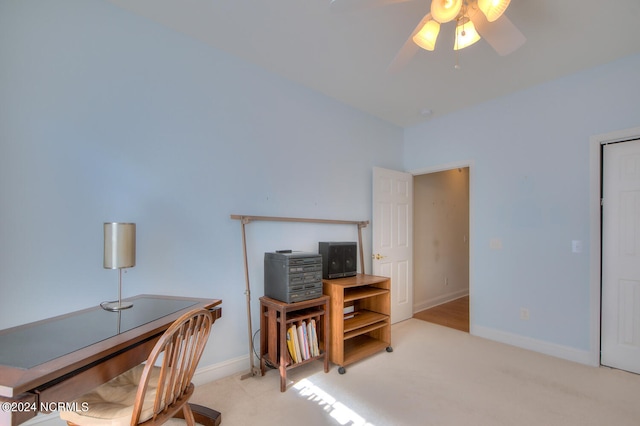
<point x="149" y="394"/>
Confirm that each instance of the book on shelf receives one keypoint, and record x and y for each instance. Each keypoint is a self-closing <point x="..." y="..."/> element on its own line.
<point x="291" y="344"/>
<point x="310" y="340"/>
<point x="302" y="341"/>
<point x="302" y="338"/>
<point x="314" y="337"/>
<point x="296" y="343"/>
<point x="307" y="340"/>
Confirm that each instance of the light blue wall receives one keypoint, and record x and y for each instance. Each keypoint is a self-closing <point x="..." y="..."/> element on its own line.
<point x="530" y="188"/>
<point x="105" y="116"/>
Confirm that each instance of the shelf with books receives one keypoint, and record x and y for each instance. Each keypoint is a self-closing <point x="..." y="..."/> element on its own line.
<point x="302" y="341"/>
<point x="293" y="334"/>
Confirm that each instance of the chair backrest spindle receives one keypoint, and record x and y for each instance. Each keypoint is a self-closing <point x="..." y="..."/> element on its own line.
<point x="181" y="347"/>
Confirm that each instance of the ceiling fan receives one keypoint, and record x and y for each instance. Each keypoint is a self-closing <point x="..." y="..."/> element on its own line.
<point x="475" y="19"/>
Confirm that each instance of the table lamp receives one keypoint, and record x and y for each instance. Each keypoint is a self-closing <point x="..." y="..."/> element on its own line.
<point x="119" y="253"/>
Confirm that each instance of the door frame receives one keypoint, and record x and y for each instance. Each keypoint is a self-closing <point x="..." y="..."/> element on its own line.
<point x="452" y="166"/>
<point x="595" y="259"/>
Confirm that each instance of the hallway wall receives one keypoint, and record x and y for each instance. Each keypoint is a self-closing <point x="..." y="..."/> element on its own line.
<point x="441" y="237"/>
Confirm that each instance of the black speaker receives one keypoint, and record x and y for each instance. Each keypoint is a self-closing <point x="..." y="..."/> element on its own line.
<point x="338" y="259"/>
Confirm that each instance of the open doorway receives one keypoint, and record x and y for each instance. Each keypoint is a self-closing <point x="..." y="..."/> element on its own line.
<point x="441" y="247"/>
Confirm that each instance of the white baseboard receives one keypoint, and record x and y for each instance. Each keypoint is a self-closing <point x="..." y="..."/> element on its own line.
<point x="430" y="303"/>
<point x="202" y="375"/>
<point x="553" y="349"/>
<point x="221" y="370"/>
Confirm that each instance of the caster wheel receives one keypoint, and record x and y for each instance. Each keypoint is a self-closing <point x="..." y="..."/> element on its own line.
<point x="389" y="349"/>
<point x="341" y="370"/>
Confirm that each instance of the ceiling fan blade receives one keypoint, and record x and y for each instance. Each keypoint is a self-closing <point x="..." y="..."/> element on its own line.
<point x="351" y="5"/>
<point x="408" y="49"/>
<point x="501" y="34"/>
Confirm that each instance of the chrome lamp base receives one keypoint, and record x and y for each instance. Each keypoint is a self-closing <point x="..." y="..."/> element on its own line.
<point x="115" y="306"/>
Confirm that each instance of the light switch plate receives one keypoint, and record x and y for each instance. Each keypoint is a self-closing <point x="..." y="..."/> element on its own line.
<point x="576" y="246"/>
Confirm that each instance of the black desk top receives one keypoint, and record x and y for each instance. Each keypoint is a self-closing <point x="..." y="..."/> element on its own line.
<point x="29" y="345"/>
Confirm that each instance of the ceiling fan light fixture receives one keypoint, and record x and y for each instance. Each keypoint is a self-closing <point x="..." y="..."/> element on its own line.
<point x="427" y="36"/>
<point x="493" y="9"/>
<point x="445" y="10"/>
<point x="466" y="34"/>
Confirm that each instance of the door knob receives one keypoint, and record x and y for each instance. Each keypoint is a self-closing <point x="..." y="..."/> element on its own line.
<point x="377" y="256"/>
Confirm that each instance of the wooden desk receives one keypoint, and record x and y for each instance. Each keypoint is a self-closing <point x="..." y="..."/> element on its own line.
<point x="53" y="361"/>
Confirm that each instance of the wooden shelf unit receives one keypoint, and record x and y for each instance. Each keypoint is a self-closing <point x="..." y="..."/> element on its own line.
<point x="369" y="330"/>
<point x="245" y="220"/>
<point x="276" y="317"/>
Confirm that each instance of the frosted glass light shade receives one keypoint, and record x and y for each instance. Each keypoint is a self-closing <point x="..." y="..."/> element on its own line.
<point x="119" y="245"/>
<point x="466" y="34"/>
<point x="427" y="36"/>
<point x="445" y="10"/>
<point x="493" y="9"/>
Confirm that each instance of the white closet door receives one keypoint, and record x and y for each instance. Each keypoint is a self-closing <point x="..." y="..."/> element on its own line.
<point x="620" y="346"/>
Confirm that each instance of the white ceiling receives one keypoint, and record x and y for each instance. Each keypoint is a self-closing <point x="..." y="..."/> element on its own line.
<point x="344" y="51"/>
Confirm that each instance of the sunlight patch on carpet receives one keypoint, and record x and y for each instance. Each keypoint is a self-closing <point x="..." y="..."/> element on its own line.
<point x="337" y="410"/>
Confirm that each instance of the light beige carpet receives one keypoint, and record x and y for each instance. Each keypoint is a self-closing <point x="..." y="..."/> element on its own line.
<point x="434" y="376"/>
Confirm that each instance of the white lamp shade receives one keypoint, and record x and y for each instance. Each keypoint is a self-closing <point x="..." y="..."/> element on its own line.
<point x="119" y="245"/>
<point x="445" y="10"/>
<point x="466" y="34"/>
<point x="493" y="9"/>
<point x="427" y="36"/>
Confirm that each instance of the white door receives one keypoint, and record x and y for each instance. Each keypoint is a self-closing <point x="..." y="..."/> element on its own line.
<point x="620" y="346"/>
<point x="392" y="237"/>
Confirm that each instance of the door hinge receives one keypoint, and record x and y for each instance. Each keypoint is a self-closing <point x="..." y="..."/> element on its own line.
<point x="601" y="202"/>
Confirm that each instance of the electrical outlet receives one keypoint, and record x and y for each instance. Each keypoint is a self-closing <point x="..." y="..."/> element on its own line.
<point x="524" y="314"/>
<point x="446" y="281"/>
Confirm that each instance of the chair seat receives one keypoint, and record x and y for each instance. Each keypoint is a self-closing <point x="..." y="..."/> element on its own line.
<point x="147" y="394"/>
<point x="111" y="404"/>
